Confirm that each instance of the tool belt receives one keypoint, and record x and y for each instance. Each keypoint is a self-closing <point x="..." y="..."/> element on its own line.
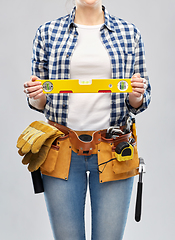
<point x="49" y="146"/>
<point x="95" y="142"/>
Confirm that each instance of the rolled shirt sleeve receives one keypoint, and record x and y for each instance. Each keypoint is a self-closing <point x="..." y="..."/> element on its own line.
<point x="140" y="67"/>
<point x="39" y="58"/>
<point x="39" y="62"/>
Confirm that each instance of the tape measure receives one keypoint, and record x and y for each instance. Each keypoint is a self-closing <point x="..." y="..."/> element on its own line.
<point x="124" y="151"/>
<point x="91" y="86"/>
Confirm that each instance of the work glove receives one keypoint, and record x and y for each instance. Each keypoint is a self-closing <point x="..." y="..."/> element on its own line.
<point x="35" y="160"/>
<point x="34" y="136"/>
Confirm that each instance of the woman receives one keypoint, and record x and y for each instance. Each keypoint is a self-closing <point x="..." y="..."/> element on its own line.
<point x="87" y="44"/>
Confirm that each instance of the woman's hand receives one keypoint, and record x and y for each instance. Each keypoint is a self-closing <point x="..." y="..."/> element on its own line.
<point x="139" y="86"/>
<point x="34" y="92"/>
<point x="33" y="88"/>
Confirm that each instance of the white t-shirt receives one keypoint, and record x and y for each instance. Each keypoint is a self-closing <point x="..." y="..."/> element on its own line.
<point x="90" y="60"/>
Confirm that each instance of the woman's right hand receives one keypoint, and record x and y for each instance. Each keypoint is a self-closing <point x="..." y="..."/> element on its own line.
<point x="33" y="88"/>
<point x="34" y="92"/>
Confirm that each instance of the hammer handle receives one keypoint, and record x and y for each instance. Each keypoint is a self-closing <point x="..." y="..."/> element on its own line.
<point x="138" y="202"/>
<point x="37" y="181"/>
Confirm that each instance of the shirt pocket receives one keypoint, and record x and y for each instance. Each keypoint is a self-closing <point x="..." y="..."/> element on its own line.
<point x="128" y="61"/>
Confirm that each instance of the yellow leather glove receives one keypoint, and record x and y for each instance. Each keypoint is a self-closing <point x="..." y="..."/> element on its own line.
<point x="34" y="136"/>
<point x="35" y="160"/>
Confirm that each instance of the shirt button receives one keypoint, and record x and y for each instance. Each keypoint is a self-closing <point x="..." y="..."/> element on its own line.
<point x="67" y="55"/>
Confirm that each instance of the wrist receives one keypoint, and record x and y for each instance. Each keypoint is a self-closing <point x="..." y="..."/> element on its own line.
<point x="135" y="101"/>
<point x="38" y="103"/>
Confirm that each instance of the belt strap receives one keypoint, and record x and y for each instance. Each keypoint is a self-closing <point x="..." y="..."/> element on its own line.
<point x="88" y="148"/>
<point x="62" y="128"/>
<point x="79" y="146"/>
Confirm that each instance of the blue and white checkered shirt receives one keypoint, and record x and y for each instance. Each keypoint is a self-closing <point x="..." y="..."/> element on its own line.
<point x="53" y="47"/>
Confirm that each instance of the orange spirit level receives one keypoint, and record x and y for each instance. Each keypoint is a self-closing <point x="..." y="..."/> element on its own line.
<point x="91" y="86"/>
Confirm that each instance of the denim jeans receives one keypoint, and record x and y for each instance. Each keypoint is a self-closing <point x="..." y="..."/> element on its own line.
<point x="65" y="202"/>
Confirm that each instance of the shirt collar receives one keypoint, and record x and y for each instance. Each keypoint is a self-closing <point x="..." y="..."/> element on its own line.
<point x="71" y="18"/>
<point x="108" y="21"/>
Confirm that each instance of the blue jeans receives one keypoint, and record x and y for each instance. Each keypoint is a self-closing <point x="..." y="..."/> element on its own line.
<point x="65" y="202"/>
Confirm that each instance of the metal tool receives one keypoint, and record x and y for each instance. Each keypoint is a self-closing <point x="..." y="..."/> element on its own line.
<point x="138" y="209"/>
<point x="113" y="132"/>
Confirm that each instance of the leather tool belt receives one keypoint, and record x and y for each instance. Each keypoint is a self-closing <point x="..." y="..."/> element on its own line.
<point x="85" y="142"/>
<point x="49" y="146"/>
<point x="94" y="142"/>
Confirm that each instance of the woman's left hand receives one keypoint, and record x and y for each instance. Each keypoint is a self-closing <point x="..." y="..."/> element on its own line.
<point x="139" y="86"/>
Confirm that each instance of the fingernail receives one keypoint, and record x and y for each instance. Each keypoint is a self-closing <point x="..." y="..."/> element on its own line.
<point x="25" y="84"/>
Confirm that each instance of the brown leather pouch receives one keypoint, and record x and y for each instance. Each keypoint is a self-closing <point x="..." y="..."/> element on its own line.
<point x="58" y="160"/>
<point x="50" y="162"/>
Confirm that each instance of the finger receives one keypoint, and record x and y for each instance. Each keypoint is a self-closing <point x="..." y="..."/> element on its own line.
<point x="144" y="81"/>
<point x="37" y="94"/>
<point x="145" y="86"/>
<point x="26" y="90"/>
<point x="136" y="75"/>
<point x="138" y="85"/>
<point x="136" y="94"/>
<point x="25" y="84"/>
<point x="31" y="84"/>
<point x="141" y="80"/>
<point x="33" y="89"/>
<point x="139" y="90"/>
<point x="34" y="78"/>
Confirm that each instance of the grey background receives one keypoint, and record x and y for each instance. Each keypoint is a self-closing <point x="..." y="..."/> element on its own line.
<point x="23" y="215"/>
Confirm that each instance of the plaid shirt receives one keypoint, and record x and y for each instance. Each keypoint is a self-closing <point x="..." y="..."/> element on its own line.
<point x="54" y="45"/>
